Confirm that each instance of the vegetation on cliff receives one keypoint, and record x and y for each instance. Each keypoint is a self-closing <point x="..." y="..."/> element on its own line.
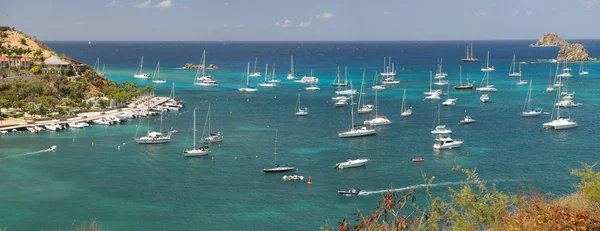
<point x="475" y="206"/>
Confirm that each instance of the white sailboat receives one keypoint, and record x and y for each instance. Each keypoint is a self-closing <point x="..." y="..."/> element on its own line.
<point x="388" y="70"/>
<point x="255" y="73"/>
<point x="469" y="57"/>
<point x="308" y="79"/>
<point x="248" y="88"/>
<point x="449" y="101"/>
<point x="299" y="111"/>
<point x="512" y="71"/>
<point x="521" y="81"/>
<point x="487" y="87"/>
<point x="431" y="94"/>
<point x="528" y="111"/>
<point x="157" y="75"/>
<point x="582" y="69"/>
<point x="561" y="122"/>
<point x="201" y="78"/>
<point x="550" y="87"/>
<point x="439" y="73"/>
<point x="484" y="98"/>
<point x="378" y="119"/>
<point x="278" y="167"/>
<point x="440" y="129"/>
<point x="141" y="75"/>
<point x="566" y="71"/>
<point x="354" y="132"/>
<point x="153" y="137"/>
<point x="312" y="86"/>
<point x="212" y="137"/>
<point x="196" y="151"/>
<point x="377" y="86"/>
<point x="405" y="111"/>
<point x="291" y="74"/>
<point x="267" y="82"/>
<point x="464" y="86"/>
<point x="362" y="107"/>
<point x="487" y="67"/>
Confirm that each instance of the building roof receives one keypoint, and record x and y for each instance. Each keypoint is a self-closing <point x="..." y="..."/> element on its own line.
<point x="25" y="59"/>
<point x="55" y="61"/>
<point x="3" y="59"/>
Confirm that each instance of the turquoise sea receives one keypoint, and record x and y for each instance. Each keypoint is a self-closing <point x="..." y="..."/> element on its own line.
<point x="153" y="187"/>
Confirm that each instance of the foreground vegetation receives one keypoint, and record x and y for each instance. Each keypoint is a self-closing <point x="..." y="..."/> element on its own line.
<point x="474" y="206"/>
<point x="55" y="93"/>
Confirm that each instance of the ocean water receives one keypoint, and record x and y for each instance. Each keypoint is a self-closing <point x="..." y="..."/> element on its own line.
<point x="99" y="172"/>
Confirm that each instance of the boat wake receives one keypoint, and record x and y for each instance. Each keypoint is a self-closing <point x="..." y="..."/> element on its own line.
<point x="366" y="192"/>
<point x="31" y="153"/>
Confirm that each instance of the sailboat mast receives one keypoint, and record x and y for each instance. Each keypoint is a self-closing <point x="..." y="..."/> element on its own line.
<point x="404" y="100"/>
<point x="255" y="61"/>
<point x="273" y="75"/>
<point x="158" y="70"/>
<point x="430" y="80"/>
<point x="204" y="63"/>
<point x="460" y="73"/>
<point x="471" y="51"/>
<point x="384" y="66"/>
<point x="345" y="74"/>
<point x="266" y="73"/>
<point x="161" y="120"/>
<point x="247" y="74"/>
<point x="362" y="87"/>
<point x="352" y="111"/>
<point x="468" y="52"/>
<point x="141" y="64"/>
<point x="376" y="90"/>
<point x="194" y="128"/>
<point x="292" y="64"/>
<point x="208" y="118"/>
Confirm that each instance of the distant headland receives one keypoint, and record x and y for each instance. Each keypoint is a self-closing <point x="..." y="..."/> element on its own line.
<point x="574" y="52"/>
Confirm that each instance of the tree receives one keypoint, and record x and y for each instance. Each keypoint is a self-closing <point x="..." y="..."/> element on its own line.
<point x="103" y="103"/>
<point x="35" y="69"/>
<point x="23" y="42"/>
<point x="67" y="71"/>
<point x="38" y="55"/>
<point x="3" y="104"/>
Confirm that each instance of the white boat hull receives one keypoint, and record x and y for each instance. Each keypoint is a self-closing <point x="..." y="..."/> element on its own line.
<point x="352" y="163"/>
<point x="142" y="76"/>
<point x="378" y="122"/>
<point x="195" y="152"/>
<point x="244" y="89"/>
<point x="152" y="141"/>
<point x="357" y="133"/>
<point x="455" y="144"/>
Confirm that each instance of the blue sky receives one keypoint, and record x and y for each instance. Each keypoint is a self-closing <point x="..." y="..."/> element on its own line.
<point x="276" y="20"/>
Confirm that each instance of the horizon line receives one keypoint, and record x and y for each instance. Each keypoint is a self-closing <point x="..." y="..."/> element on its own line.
<point x="444" y="40"/>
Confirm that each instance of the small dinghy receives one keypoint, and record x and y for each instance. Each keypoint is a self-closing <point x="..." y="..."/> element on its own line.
<point x="351" y="192"/>
<point x="293" y="177"/>
<point x="418" y="159"/>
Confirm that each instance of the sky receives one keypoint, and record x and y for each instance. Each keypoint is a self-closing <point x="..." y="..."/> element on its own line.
<point x="301" y="20"/>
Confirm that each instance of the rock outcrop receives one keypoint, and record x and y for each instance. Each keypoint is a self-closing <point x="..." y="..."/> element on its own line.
<point x="550" y="40"/>
<point x="573" y="53"/>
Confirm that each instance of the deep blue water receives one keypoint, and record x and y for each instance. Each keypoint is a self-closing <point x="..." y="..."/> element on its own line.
<point x="143" y="187"/>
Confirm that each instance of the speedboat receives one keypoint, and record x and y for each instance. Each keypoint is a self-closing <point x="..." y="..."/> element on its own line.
<point x="53" y="127"/>
<point x="352" y="163"/>
<point x="313" y="88"/>
<point x="484" y="98"/>
<point x="467" y="120"/>
<point x="561" y="123"/>
<point x="407" y="112"/>
<point x="293" y="177"/>
<point x="366" y="109"/>
<point x="198" y="151"/>
<point x="213" y="138"/>
<point x="340" y="103"/>
<point x="532" y="112"/>
<point x="348" y="92"/>
<point x="441" y="129"/>
<point x="362" y="131"/>
<point x="307" y="79"/>
<point x="279" y="168"/>
<point x="446" y="142"/>
<point x="102" y="121"/>
<point x="435" y="96"/>
<point x="567" y="103"/>
<point x="378" y="120"/>
<point x="50" y="149"/>
<point x="351" y="192"/>
<point x="418" y="159"/>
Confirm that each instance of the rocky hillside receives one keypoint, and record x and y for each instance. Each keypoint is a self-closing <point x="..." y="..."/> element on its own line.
<point x="573" y="53"/>
<point x="550" y="40"/>
<point x="16" y="39"/>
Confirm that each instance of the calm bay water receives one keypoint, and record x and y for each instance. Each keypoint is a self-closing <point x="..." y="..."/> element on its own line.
<point x="143" y="187"/>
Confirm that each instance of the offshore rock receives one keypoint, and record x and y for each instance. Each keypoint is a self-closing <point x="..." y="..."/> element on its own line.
<point x="550" y="40"/>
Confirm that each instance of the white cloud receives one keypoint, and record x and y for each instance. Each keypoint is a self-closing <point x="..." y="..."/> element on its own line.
<point x="304" y="24"/>
<point x="325" y="15"/>
<point x="112" y="3"/>
<point x="285" y="23"/>
<point x="528" y="12"/>
<point x="480" y="13"/>
<point x="515" y="12"/>
<point x="143" y="4"/>
<point x="589" y="3"/>
<point x="164" y="4"/>
<point x="385" y="12"/>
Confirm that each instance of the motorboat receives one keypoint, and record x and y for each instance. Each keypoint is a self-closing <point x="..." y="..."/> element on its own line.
<point x="293" y="177"/>
<point x="307" y="79"/>
<point x="567" y="103"/>
<point x="53" y="127"/>
<point x="532" y="112"/>
<point x="352" y="163"/>
<point x="350" y="192"/>
<point x="441" y="129"/>
<point x="446" y="142"/>
<point x="78" y="124"/>
<point x="50" y="149"/>
<point x="102" y="121"/>
<point x="340" y="103"/>
<point x="467" y="120"/>
<point x="366" y="109"/>
<point x="378" y="120"/>
<point x="449" y="102"/>
<point x="279" y="168"/>
<point x="418" y="159"/>
<point x="484" y="98"/>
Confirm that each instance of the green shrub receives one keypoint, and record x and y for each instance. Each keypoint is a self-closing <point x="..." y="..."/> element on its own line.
<point x="590" y="181"/>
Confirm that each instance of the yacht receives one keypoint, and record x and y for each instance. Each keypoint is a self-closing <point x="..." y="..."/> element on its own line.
<point x="440" y="129"/>
<point x="561" y="122"/>
<point x="152" y="137"/>
<point x="512" y="71"/>
<point x="435" y="96"/>
<point x="583" y="70"/>
<point x="354" y="132"/>
<point x="248" y="88"/>
<point x="431" y="91"/>
<point x="362" y="107"/>
<point x="487" y="87"/>
<point x="267" y="82"/>
<point x="291" y="74"/>
<point x="141" y="75"/>
<point x="338" y="79"/>
<point x="201" y="78"/>
<point x="567" y="103"/>
<point x="550" y="86"/>
<point x="487" y="67"/>
<point x="255" y="73"/>
<point x="446" y="142"/>
<point x="340" y="103"/>
<point x="157" y="75"/>
<point x="78" y="124"/>
<point x="379" y="119"/>
<point x="449" y="101"/>
<point x="308" y="79"/>
<point x="464" y="86"/>
<point x="484" y="98"/>
<point x="440" y="74"/>
<point x="528" y="111"/>
<point x="299" y="111"/>
<point x="313" y="87"/>
<point x="352" y="163"/>
<point x="196" y="151"/>
<point x="278" y="167"/>
<point x="469" y="57"/>
<point x="212" y="137"/>
<point x="405" y="111"/>
<point x="467" y="120"/>
<point x="388" y="70"/>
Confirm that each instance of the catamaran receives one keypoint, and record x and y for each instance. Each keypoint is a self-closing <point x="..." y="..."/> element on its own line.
<point x="196" y="151"/>
<point x="248" y="88"/>
<point x="308" y="79"/>
<point x="469" y="57"/>
<point x="487" y="67"/>
<point x="465" y="86"/>
<point x="255" y="73"/>
<point x="299" y="111"/>
<point x="561" y="122"/>
<point x="141" y="75"/>
<point x="313" y="87"/>
<point x="362" y="107"/>
<point x="378" y="119"/>
<point x="211" y="138"/>
<point x="582" y="70"/>
<point x="278" y="167"/>
<point x="440" y="129"/>
<point x="487" y="87"/>
<point x="338" y="79"/>
<point x="291" y="74"/>
<point x="267" y="82"/>
<point x="528" y="111"/>
<point x="405" y="111"/>
<point x="201" y="78"/>
<point x="354" y="132"/>
<point x="512" y="71"/>
<point x="157" y="75"/>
